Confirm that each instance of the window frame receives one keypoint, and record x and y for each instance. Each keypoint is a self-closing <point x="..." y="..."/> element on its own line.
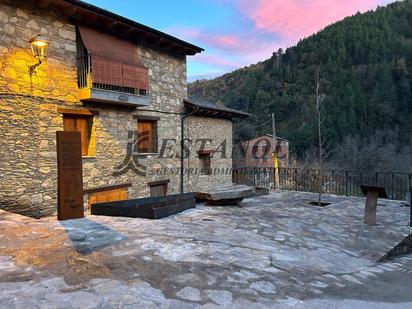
<point x="154" y="187"/>
<point x="205" y="157"/>
<point x="153" y="121"/>
<point x="88" y="117"/>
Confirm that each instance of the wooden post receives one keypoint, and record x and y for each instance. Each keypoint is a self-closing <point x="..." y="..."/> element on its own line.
<point x="372" y="193"/>
<point x="296" y="179"/>
<point x="370" y="207"/>
<point x="70" y="176"/>
<point x="410" y="206"/>
<point x="276" y="172"/>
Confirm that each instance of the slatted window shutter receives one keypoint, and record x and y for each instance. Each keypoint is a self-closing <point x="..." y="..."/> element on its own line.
<point x="158" y="190"/>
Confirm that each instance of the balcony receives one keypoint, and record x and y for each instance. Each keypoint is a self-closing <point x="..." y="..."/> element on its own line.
<point x="92" y="91"/>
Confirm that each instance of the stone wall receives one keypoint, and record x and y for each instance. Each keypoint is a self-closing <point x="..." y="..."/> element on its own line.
<point x="56" y="78"/>
<point x="219" y="134"/>
<point x="29" y="116"/>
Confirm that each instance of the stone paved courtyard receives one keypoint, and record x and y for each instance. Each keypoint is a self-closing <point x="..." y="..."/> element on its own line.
<point x="271" y="252"/>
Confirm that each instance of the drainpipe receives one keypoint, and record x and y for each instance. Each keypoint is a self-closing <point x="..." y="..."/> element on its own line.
<point x="410" y="206"/>
<point x="182" y="141"/>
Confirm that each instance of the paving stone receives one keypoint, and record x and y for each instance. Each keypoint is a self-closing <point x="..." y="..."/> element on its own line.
<point x="263" y="286"/>
<point x="376" y="270"/>
<point x="319" y="284"/>
<point x="189" y="293"/>
<point x="351" y="279"/>
<point x="239" y="257"/>
<point x="316" y="291"/>
<point x="220" y="297"/>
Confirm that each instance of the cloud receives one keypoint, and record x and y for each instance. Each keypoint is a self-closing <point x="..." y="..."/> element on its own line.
<point x="294" y="19"/>
<point x="224" y="41"/>
<point x="202" y="76"/>
<point x="231" y="50"/>
<point x="264" y="26"/>
<point x="216" y="59"/>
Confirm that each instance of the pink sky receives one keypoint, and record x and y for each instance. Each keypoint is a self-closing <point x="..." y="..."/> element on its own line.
<point x="263" y="26"/>
<point x="300" y="18"/>
<point x="236" y="33"/>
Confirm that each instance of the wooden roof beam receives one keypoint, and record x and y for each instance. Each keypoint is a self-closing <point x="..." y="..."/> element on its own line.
<point x="43" y="4"/>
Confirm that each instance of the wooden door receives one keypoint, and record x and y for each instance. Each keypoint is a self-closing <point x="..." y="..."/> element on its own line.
<point x="158" y="190"/>
<point x="108" y="196"/>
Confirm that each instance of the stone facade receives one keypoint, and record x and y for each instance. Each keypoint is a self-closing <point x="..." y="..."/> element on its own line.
<point x="29" y="117"/>
<point x="217" y="135"/>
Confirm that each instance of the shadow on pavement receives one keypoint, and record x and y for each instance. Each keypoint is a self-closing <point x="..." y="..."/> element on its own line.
<point x="88" y="236"/>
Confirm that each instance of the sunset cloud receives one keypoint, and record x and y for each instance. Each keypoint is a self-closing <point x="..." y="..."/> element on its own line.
<point x="237" y="33"/>
<point x="216" y="40"/>
<point x="266" y="26"/>
<point x="294" y="19"/>
<point x="216" y="60"/>
<point x="226" y="51"/>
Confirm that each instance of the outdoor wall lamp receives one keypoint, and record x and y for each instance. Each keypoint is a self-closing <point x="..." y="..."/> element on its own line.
<point x="39" y="47"/>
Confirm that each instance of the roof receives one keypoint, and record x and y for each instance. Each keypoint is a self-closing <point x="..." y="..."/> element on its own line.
<point x="208" y="109"/>
<point x="85" y="13"/>
<point x="277" y="137"/>
<point x="269" y="136"/>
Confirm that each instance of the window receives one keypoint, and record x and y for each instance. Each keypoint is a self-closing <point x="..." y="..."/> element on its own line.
<point x="147" y="136"/>
<point x="82" y="124"/>
<point x="158" y="188"/>
<point x="204" y="160"/>
<point x="113" y="61"/>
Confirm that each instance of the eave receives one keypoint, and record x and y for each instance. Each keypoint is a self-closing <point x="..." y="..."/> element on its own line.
<point x="80" y="12"/>
<point x="207" y="109"/>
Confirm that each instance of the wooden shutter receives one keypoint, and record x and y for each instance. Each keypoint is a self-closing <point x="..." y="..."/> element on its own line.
<point x="78" y="124"/>
<point x="115" y="61"/>
<point x="158" y="190"/>
<point x="205" y="163"/>
<point x="108" y="196"/>
<point x="145" y="134"/>
<point x="135" y="77"/>
<point x="106" y="71"/>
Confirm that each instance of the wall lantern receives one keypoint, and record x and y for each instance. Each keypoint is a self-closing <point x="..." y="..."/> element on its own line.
<point x="39" y="47"/>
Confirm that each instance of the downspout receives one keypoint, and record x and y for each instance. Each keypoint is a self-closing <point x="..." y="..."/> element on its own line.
<point x="182" y="141"/>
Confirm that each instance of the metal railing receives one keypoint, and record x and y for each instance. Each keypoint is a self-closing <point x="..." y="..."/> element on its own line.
<point x="339" y="182"/>
<point x="83" y="71"/>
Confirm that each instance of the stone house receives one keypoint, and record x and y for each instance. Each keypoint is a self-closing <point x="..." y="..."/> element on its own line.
<point x="114" y="81"/>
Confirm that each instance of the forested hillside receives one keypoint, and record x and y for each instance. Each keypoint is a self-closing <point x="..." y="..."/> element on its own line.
<point x="365" y="65"/>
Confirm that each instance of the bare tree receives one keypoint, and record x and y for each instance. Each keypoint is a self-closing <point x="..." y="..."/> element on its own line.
<point x="319" y="111"/>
